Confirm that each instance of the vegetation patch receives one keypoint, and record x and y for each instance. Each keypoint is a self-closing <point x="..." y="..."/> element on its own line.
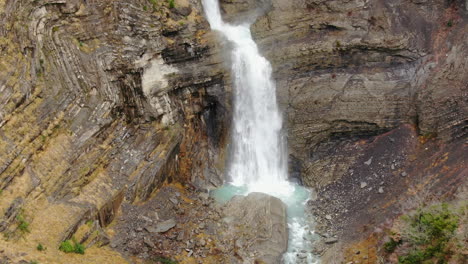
<point x="391" y="245"/>
<point x="23" y="225"/>
<point x="165" y="260"/>
<point x="171" y="4"/>
<point x="428" y="236"/>
<point x="71" y="246"/>
<point x="40" y="247"/>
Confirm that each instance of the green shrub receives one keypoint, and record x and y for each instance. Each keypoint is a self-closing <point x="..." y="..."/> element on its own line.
<point x="69" y="246"/>
<point x="79" y="248"/>
<point x="40" y="247"/>
<point x="171" y="4"/>
<point x="450" y="23"/>
<point x="391" y="245"/>
<point x="428" y="233"/>
<point x="434" y="223"/>
<point x="23" y="225"/>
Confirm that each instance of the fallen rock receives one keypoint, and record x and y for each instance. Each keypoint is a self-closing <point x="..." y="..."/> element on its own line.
<point x="150" y="229"/>
<point x="363" y="185"/>
<point x="331" y="240"/>
<point x="174" y="201"/>
<point x="263" y="218"/>
<point x="165" y="226"/>
<point x="368" y="162"/>
<point x="148" y="242"/>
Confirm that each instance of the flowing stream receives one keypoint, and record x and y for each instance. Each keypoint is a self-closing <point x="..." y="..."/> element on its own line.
<point x="259" y="156"/>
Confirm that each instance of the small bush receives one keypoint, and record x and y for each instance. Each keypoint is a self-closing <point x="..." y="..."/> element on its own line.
<point x="450" y="23"/>
<point x="171" y="4"/>
<point x="391" y="245"/>
<point x="69" y="246"/>
<point x="79" y="249"/>
<point x="66" y="246"/>
<point x="23" y="225"/>
<point x="40" y="247"/>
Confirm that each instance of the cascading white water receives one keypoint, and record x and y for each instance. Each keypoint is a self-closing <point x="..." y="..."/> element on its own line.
<point x="259" y="157"/>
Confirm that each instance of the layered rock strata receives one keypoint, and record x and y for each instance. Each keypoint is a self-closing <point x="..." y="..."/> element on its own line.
<point x="102" y="102"/>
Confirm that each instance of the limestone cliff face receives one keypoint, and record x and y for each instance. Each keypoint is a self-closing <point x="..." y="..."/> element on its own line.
<point x="103" y="101"/>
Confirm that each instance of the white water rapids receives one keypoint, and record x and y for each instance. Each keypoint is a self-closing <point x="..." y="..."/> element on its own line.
<point x="259" y="156"/>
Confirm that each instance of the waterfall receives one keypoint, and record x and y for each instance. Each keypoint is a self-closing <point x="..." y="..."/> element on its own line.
<point x="259" y="156"/>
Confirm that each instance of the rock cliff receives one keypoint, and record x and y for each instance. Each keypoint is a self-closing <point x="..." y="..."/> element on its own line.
<point x="104" y="102"/>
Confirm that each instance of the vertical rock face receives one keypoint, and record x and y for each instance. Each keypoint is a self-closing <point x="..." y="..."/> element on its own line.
<point x="101" y="101"/>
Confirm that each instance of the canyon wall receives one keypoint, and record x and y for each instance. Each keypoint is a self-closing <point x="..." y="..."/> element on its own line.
<point x="104" y="102"/>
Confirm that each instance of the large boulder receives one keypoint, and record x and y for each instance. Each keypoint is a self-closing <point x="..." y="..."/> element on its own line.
<point x="257" y="223"/>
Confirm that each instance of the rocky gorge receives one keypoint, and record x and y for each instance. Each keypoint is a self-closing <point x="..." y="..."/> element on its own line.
<point x="115" y="122"/>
